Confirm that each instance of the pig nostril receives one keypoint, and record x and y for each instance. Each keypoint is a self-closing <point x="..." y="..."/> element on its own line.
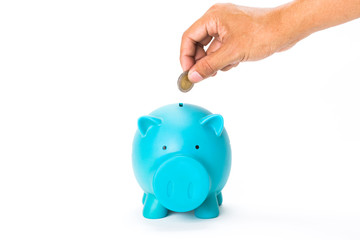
<point x="164" y="147"/>
<point x="181" y="104"/>
<point x="197" y="146"/>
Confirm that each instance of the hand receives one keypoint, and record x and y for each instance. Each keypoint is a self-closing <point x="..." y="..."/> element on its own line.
<point x="237" y="33"/>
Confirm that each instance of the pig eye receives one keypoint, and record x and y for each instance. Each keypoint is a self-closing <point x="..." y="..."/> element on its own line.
<point x="164" y="147"/>
<point x="197" y="147"/>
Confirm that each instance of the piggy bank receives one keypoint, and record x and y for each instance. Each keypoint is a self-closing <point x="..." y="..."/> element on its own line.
<point x="181" y="159"/>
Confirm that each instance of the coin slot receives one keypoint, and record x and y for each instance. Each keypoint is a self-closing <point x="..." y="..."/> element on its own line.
<point x="181" y="104"/>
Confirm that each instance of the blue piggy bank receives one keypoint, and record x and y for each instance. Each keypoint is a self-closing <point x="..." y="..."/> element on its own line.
<point x="181" y="159"/>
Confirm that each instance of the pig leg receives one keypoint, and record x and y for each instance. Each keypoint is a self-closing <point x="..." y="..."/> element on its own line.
<point x="219" y="198"/>
<point x="209" y="208"/>
<point x="144" y="198"/>
<point x="152" y="208"/>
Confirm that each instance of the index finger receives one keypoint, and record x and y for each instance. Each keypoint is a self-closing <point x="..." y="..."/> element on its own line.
<point x="200" y="33"/>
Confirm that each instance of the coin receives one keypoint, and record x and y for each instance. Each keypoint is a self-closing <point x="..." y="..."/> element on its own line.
<point x="184" y="83"/>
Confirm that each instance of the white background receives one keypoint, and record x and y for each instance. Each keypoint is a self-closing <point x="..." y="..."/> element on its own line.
<point x="76" y="75"/>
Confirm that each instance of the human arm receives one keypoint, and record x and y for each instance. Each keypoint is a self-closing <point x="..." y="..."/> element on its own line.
<point x="239" y="34"/>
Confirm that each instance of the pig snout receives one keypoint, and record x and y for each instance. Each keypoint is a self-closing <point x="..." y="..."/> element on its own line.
<point x="181" y="184"/>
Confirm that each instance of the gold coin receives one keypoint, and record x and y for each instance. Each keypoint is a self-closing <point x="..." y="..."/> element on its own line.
<point x="184" y="83"/>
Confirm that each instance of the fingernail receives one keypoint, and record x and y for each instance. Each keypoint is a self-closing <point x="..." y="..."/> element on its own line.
<point x="195" y="77"/>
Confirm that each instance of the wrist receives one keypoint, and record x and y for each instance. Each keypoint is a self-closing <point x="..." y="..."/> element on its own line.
<point x="294" y="23"/>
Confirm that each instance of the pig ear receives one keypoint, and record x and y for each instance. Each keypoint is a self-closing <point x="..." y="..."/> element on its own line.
<point x="215" y="122"/>
<point x="146" y="122"/>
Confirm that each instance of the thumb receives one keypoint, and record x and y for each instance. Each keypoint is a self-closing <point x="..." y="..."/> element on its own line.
<point x="210" y="64"/>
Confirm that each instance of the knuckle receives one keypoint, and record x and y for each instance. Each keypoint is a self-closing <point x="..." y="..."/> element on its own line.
<point x="216" y="6"/>
<point x="207" y="68"/>
<point x="184" y="35"/>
